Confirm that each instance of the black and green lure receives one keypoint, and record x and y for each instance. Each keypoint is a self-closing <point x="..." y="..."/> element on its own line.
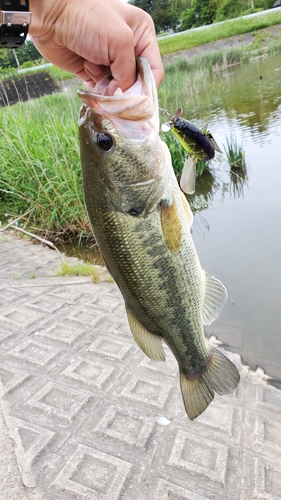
<point x="199" y="144"/>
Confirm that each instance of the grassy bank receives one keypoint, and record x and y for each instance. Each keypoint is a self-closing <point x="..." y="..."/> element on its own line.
<point x="218" y="31"/>
<point x="40" y="167"/>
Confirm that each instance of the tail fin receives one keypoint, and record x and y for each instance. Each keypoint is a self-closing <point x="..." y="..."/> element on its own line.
<point x="220" y="376"/>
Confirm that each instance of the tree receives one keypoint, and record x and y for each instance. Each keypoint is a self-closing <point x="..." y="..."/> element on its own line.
<point x="4" y="59"/>
<point x="146" y="5"/>
<point x="203" y="12"/>
<point x="27" y="52"/>
<point x="163" y="15"/>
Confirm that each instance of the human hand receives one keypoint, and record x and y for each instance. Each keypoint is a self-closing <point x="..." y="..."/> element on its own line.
<point x="92" y="39"/>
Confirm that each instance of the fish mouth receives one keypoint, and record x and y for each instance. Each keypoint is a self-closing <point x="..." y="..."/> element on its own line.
<point x="137" y="104"/>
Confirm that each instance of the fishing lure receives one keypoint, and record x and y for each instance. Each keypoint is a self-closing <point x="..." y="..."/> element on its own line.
<point x="199" y="144"/>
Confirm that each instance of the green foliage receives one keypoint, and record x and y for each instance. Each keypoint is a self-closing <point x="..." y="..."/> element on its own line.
<point x="146" y="5"/>
<point x="205" y="11"/>
<point x="214" y="32"/>
<point x="188" y="19"/>
<point x="27" y="64"/>
<point x="274" y="49"/>
<point x="163" y="15"/>
<point x="4" y="59"/>
<point x="40" y="165"/>
<point x="79" y="269"/>
<point x="209" y="61"/>
<point x="201" y="166"/>
<point x="178" y="154"/>
<point x="230" y="9"/>
<point x="27" y="52"/>
<point x="234" y="153"/>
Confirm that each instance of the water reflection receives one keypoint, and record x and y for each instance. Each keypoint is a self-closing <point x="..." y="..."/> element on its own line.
<point x="239" y="240"/>
<point x="221" y="180"/>
<point x="240" y="95"/>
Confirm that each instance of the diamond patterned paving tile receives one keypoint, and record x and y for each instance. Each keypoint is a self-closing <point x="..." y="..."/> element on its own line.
<point x="91" y="474"/>
<point x="90" y="373"/>
<point x="12" y="378"/>
<point x="202" y="457"/>
<point x="262" y="478"/>
<point x="93" y="419"/>
<point x="58" y="402"/>
<point x="126" y="426"/>
<point x="170" y="491"/>
<point x="31" y="441"/>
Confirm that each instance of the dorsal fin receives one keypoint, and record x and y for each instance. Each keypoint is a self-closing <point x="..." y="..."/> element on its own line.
<point x="214" y="299"/>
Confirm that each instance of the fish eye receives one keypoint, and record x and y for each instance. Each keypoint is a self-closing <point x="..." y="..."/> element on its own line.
<point x="103" y="141"/>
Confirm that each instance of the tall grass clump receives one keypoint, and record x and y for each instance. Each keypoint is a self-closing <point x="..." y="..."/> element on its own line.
<point x="234" y="153"/>
<point x="274" y="49"/>
<point x="217" y="59"/>
<point x="236" y="55"/>
<point x="40" y="167"/>
<point x="178" y="154"/>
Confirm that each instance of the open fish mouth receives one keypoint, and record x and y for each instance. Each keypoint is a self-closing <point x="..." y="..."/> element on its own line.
<point x="137" y="104"/>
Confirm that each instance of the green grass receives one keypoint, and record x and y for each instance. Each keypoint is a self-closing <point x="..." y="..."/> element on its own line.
<point x="79" y="269"/>
<point x="218" y="31"/>
<point x="274" y="49"/>
<point x="234" y="153"/>
<point x="209" y="61"/>
<point x="59" y="74"/>
<point x="178" y="154"/>
<point x="40" y="165"/>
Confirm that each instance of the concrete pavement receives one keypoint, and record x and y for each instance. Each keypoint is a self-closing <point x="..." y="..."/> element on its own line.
<point x="87" y="416"/>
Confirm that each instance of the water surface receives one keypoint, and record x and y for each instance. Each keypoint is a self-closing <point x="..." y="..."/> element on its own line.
<point x="239" y="240"/>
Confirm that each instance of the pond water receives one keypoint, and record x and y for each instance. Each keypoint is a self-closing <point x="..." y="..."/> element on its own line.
<point x="238" y="236"/>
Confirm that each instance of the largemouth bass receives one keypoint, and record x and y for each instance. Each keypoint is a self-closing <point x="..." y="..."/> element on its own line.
<point x="141" y="221"/>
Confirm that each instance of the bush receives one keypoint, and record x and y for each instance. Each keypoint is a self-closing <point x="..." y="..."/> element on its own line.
<point x="229" y="10"/>
<point x="27" y="64"/>
<point x="188" y="19"/>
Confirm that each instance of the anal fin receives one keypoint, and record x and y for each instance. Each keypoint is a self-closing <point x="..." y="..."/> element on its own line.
<point x="149" y="343"/>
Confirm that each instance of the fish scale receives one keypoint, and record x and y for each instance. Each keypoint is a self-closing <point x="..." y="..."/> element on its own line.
<point x="141" y="222"/>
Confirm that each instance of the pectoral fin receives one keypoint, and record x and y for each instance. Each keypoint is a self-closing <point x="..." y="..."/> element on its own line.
<point x="214" y="300"/>
<point x="188" y="176"/>
<point x="187" y="210"/>
<point x="149" y="343"/>
<point x="171" y="225"/>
